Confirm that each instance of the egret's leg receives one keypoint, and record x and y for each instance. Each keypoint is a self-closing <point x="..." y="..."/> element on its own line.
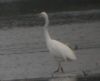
<point x="56" y="71"/>
<point x="59" y="69"/>
<point x="62" y="70"/>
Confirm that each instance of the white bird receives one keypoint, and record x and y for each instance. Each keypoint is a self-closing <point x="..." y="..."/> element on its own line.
<point x="60" y="51"/>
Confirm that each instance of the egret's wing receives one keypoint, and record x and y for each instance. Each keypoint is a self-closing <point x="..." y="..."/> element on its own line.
<point x="63" y="49"/>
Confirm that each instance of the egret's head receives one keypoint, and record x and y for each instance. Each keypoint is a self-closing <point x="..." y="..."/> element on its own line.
<point x="45" y="17"/>
<point x="43" y="14"/>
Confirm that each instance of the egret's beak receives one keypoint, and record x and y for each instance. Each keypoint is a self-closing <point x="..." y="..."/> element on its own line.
<point x="39" y="15"/>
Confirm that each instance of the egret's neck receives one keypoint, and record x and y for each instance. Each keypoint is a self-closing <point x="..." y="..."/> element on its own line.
<point x="46" y="21"/>
<point x="47" y="36"/>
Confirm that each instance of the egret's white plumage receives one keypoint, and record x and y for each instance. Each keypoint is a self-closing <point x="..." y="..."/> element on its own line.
<point x="60" y="51"/>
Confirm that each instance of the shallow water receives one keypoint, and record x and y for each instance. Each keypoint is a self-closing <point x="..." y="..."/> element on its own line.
<point x="23" y="53"/>
<point x="28" y="40"/>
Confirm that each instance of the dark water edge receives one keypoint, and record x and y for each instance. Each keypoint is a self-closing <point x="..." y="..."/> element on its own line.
<point x="57" y="18"/>
<point x="78" y="78"/>
<point x="11" y="7"/>
<point x="89" y="78"/>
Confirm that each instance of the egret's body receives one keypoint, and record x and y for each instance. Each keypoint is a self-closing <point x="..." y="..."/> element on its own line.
<point x="60" y="51"/>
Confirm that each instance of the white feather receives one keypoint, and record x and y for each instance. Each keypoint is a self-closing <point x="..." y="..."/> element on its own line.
<point x="60" y="51"/>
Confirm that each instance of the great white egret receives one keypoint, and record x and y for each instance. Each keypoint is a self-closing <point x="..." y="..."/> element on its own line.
<point x="60" y="51"/>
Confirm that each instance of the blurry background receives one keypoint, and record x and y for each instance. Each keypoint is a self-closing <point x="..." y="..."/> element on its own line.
<point x="9" y="7"/>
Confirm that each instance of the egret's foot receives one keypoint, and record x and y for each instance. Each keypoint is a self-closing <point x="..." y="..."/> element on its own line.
<point x="58" y="72"/>
<point x="53" y="74"/>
